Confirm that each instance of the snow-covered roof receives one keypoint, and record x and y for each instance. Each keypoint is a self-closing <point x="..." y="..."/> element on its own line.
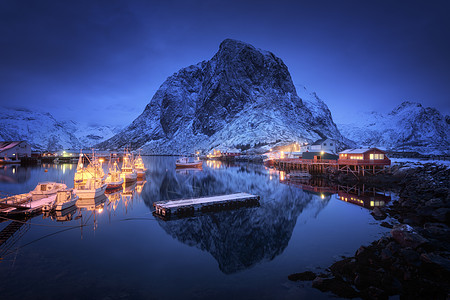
<point x="8" y="145"/>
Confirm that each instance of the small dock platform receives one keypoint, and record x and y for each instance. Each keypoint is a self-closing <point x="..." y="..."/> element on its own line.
<point x="187" y="207"/>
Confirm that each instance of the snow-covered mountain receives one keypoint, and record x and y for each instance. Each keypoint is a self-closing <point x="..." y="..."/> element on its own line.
<point x="409" y="127"/>
<point x="242" y="97"/>
<point x="43" y="132"/>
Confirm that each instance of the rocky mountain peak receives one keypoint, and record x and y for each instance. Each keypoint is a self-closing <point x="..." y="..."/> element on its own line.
<point x="242" y="96"/>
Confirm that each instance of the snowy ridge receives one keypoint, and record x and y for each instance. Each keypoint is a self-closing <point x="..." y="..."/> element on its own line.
<point x="242" y="97"/>
<point x="43" y="132"/>
<point x="408" y="127"/>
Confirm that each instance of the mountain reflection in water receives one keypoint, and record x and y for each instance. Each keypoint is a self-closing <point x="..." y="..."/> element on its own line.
<point x="241" y="238"/>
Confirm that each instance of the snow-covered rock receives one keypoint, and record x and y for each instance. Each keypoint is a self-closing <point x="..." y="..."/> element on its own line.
<point x="242" y="96"/>
<point x="43" y="132"/>
<point x="409" y="127"/>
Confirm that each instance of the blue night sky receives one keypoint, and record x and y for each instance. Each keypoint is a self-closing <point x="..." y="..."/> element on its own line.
<point x="102" y="61"/>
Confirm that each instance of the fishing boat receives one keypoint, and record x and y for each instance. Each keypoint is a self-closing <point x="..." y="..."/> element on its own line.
<point x="139" y="166"/>
<point x="93" y="170"/>
<point x="93" y="188"/>
<point x="39" y="199"/>
<point x="128" y="174"/>
<point x="7" y="160"/>
<point x="113" y="180"/>
<point x="46" y="189"/>
<point x="186" y="162"/>
<point x="65" y="199"/>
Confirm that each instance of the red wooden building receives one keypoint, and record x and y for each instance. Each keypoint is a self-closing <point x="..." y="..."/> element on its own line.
<point x="371" y="160"/>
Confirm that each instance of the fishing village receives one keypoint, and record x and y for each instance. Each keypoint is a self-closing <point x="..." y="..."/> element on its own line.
<point x="363" y="177"/>
<point x="224" y="150"/>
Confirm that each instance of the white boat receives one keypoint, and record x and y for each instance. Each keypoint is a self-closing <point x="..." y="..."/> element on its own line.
<point x="7" y="160"/>
<point x="93" y="188"/>
<point x="139" y="166"/>
<point x="128" y="172"/>
<point x="93" y="170"/>
<point x="46" y="189"/>
<point x="185" y="162"/>
<point x="113" y="180"/>
<point x="65" y="199"/>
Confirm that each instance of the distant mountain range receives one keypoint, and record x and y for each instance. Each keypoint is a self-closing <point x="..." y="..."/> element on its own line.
<point x="242" y="97"/>
<point x="408" y="127"/>
<point x="43" y="132"/>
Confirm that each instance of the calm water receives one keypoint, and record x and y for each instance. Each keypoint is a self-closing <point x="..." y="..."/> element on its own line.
<point x="114" y="248"/>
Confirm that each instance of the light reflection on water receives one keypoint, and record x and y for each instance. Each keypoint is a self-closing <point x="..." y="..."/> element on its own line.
<point x="114" y="248"/>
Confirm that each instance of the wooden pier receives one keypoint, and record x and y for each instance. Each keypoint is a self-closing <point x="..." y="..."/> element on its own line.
<point x="187" y="207"/>
<point x="313" y="166"/>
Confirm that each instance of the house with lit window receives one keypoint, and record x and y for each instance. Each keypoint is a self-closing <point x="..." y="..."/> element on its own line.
<point x="323" y="145"/>
<point x="364" y="156"/>
<point x="363" y="160"/>
<point x="15" y="149"/>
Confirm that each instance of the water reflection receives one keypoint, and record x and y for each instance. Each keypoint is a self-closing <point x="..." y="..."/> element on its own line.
<point x="14" y="174"/>
<point x="357" y="194"/>
<point x="85" y="210"/>
<point x="236" y="239"/>
<point x="367" y="198"/>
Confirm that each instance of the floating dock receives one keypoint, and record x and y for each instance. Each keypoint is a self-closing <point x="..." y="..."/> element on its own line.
<point x="187" y="207"/>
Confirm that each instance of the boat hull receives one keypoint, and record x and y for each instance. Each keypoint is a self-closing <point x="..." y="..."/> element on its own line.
<point x="129" y="177"/>
<point x="114" y="185"/>
<point x="189" y="165"/>
<point x="66" y="205"/>
<point x="92" y="193"/>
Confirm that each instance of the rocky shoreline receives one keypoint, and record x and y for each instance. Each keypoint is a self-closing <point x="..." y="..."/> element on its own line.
<point x="414" y="260"/>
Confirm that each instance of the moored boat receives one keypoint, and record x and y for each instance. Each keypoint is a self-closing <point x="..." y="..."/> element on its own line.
<point x="139" y="166"/>
<point x="93" y="170"/>
<point x="128" y="173"/>
<point x="185" y="162"/>
<point x="46" y="189"/>
<point x="7" y="160"/>
<point x="93" y="188"/>
<point x="113" y="180"/>
<point x="65" y="199"/>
